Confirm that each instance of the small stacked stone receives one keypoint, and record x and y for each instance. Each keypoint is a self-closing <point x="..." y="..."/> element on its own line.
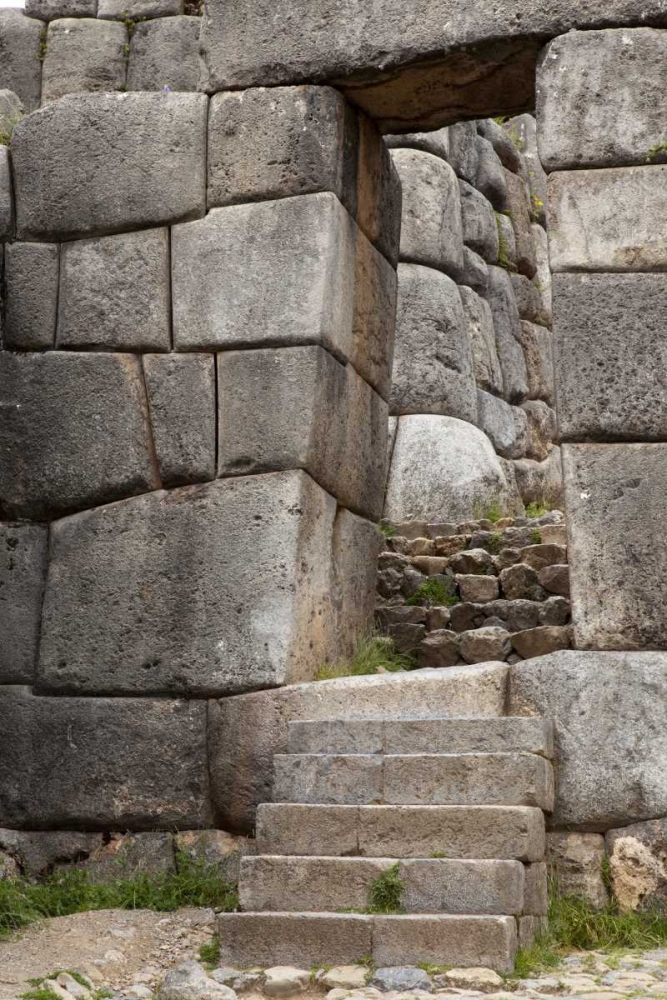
<point x="476" y="591"/>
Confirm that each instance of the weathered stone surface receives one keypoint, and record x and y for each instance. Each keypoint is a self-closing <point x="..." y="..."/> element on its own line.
<point x="406" y="639"/>
<point x="576" y="74"/>
<point x="6" y="202"/>
<point x="23" y="553"/>
<point x="506" y="242"/>
<point x="609" y="723"/>
<point x="523" y="131"/>
<point x="585" y="236"/>
<point x="114" y="292"/>
<point x="40" y="852"/>
<point x="214" y="848"/>
<point x="452" y="940"/>
<point x="538" y="353"/>
<point x="478" y="588"/>
<point x="356" y="544"/>
<point x="259" y="939"/>
<point x="47" y="10"/>
<point x="609" y="356"/>
<point x="475" y="979"/>
<point x="182" y="409"/>
<point x="541" y="429"/>
<point x="138" y="9"/>
<point x="505" y="425"/>
<point x="275" y="413"/>
<point x="439" y="648"/>
<point x="480" y="231"/>
<point x="637" y="861"/>
<point x="285" y="980"/>
<point x="430" y="142"/>
<point x="543" y="275"/>
<point x="20" y="39"/>
<point x="536" y="889"/>
<point x="432" y="229"/>
<point x="379" y="194"/>
<point x="475" y="273"/>
<point x="541" y="554"/>
<point x="482" y="338"/>
<point x="576" y="860"/>
<point x="463" y="150"/>
<point x="120" y="762"/>
<point x="164" y="52"/>
<point x="31" y="295"/>
<point x="618" y="577"/>
<point x="528" y="298"/>
<point x="518" y="206"/>
<point x="189" y="981"/>
<point x="75" y="433"/>
<point x="541" y="640"/>
<point x="555" y="579"/>
<point x="83" y="54"/>
<point x="502" y="142"/>
<point x="129" y="855"/>
<point x="246" y="731"/>
<point x="541" y="481"/>
<point x="441" y="467"/>
<point x="401" y="979"/>
<point x="490" y="177"/>
<point x="519" y="583"/>
<point x="149" y="146"/>
<point x="433" y="368"/>
<point x="347" y="977"/>
<point x="482" y="644"/>
<point x="305" y="248"/>
<point x="154" y="586"/>
<point x="507" y="325"/>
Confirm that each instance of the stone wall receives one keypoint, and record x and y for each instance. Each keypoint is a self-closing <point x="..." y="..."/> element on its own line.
<point x="472" y="392"/>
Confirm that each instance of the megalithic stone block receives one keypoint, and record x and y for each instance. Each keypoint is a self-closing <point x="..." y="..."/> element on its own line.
<point x="23" y="549"/>
<point x="300" y="408"/>
<point x="321" y="282"/>
<point x="116" y="161"/>
<point x="102" y="763"/>
<point x="507" y="326"/>
<point x="152" y="595"/>
<point x="83" y="54"/>
<point x="164" y="52"/>
<point x="20" y="39"/>
<point x="31" y="295"/>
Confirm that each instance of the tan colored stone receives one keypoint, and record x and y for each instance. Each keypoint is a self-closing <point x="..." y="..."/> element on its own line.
<point x="576" y="860"/>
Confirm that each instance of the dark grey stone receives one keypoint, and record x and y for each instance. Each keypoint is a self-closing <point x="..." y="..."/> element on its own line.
<point x="20" y="67"/>
<point x="23" y="553"/>
<point x="164" y="52"/>
<point x="6" y="200"/>
<point x="507" y="326"/>
<point x="83" y="54"/>
<point x="116" y="161"/>
<point x="541" y="429"/>
<point x="31" y="295"/>
<point x="501" y="140"/>
<point x="475" y="273"/>
<point x="491" y="177"/>
<point x="537" y="343"/>
<point x="480" y="231"/>
<point x="100" y="763"/>
<point x="127" y="856"/>
<point x="40" y="852"/>
<point x="504" y="425"/>
<point x="528" y="298"/>
<point x="182" y="408"/>
<point x="482" y="337"/>
<point x="75" y="432"/>
<point x="464" y="150"/>
<point x="401" y="979"/>
<point x="519" y="208"/>
<point x="47" y="10"/>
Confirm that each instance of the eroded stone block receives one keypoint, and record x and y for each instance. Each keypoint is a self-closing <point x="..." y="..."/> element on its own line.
<point x="433" y="370"/>
<point x="519" y="208"/>
<point x="480" y="231"/>
<point x="31" y="295"/>
<point x="164" y="52"/>
<point x="538" y="353"/>
<point x="148" y="595"/>
<point x="75" y="432"/>
<point x="575" y="859"/>
<point x="541" y="429"/>
<point x="116" y="161"/>
<point x="507" y="326"/>
<point x="83" y="54"/>
<point x="182" y="408"/>
<point x="355" y="549"/>
<point x="47" y="10"/>
<point x="540" y="482"/>
<point x="20" y="39"/>
<point x="102" y="763"/>
<point x="138" y="9"/>
<point x="482" y="337"/>
<point x="504" y="425"/>
<point x="23" y="552"/>
<point x="6" y="202"/>
<point x="114" y="293"/>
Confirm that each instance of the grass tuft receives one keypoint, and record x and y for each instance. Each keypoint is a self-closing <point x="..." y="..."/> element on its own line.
<point x="538" y="508"/>
<point x="434" y="592"/>
<point x="209" y="954"/>
<point x="386" y="890"/>
<point x="373" y="656"/>
<point x="387" y="529"/>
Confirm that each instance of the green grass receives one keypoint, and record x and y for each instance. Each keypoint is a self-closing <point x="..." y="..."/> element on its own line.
<point x="435" y="593"/>
<point x="538" y="509"/>
<point x="535" y="537"/>
<point x="209" y="954"/>
<point x="493" y="511"/>
<point x="373" y="655"/>
<point x="387" y="529"/>
<point x="659" y="150"/>
<point x="194" y="884"/>
<point x="384" y="895"/>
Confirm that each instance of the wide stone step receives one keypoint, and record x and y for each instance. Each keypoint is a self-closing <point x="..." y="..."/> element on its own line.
<point x="431" y="885"/>
<point x="407" y="736"/>
<point x="475" y="832"/>
<point x="507" y="779"/>
<point x="307" y="939"/>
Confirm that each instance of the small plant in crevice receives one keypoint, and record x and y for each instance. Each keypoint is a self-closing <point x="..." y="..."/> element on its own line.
<point x="491" y="511"/>
<point x="373" y="655"/>
<point x="657" y="153"/>
<point x="387" y="529"/>
<point x="384" y="895"/>
<point x="42" y="45"/>
<point x="434" y="592"/>
<point x="535" y="537"/>
<point x="209" y="954"/>
<point x="9" y="123"/>
<point x="537" y="509"/>
<point x="503" y="248"/>
<point x="433" y="970"/>
<point x="495" y="543"/>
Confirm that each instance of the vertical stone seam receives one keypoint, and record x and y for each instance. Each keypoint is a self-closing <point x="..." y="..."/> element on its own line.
<point x="216" y="412"/>
<point x="152" y="450"/>
<point x="170" y="291"/>
<point x="212" y="811"/>
<point x="40" y="627"/>
<point x="126" y="54"/>
<point x="56" y="318"/>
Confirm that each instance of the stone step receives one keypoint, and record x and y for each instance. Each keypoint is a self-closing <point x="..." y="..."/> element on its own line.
<point x="431" y="885"/>
<point x="506" y="779"/>
<point x="407" y="736"/>
<point x="474" y="832"/>
<point x="307" y="939"/>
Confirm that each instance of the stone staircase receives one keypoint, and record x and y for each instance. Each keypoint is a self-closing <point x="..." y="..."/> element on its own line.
<point x="456" y="804"/>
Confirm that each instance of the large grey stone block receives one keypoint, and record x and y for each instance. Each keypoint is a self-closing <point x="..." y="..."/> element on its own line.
<point x="23" y="552"/>
<point x="102" y="763"/>
<point x="608" y="711"/>
<point x="504" y="425"/>
<point x="379" y="194"/>
<point x="182" y="407"/>
<point x="479" y="832"/>
<point x="20" y="40"/>
<point x="507" y="326"/>
<point x="475" y="272"/>
<point x="618" y="577"/>
<point x="519" y="208"/>
<point x="304" y="939"/>
<point x="114" y="293"/>
<point x="482" y="337"/>
<point x="154" y="589"/>
<point x="433" y="369"/>
<point x="31" y="295"/>
<point x="356" y="545"/>
<point x="448" y="940"/>
<point x="432" y="229"/>
<point x="116" y="161"/>
<point x="609" y="355"/>
<point x="300" y="408"/>
<point x="75" y="432"/>
<point x="320" y="283"/>
<point x="480" y="231"/>
<point x="541" y="429"/>
<point x="523" y="131"/>
<point x="441" y="469"/>
<point x="594" y="104"/>
<point x="491" y="177"/>
<point x="543" y="274"/>
<point x="538" y="350"/>
<point x="138" y="9"/>
<point x="501" y="139"/>
<point x="436" y="142"/>
<point x="246" y="731"/>
<point x="47" y="10"/>
<point x="164" y="52"/>
<point x="464" y="150"/>
<point x="83" y="54"/>
<point x="608" y="220"/>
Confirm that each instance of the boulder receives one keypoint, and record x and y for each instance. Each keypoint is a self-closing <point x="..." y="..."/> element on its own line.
<point x="23" y="556"/>
<point x="150" y="147"/>
<point x="37" y="853"/>
<point x="31" y="295"/>
<point x="189" y="981"/>
<point x="575" y="860"/>
<point x="507" y="150"/>
<point x="433" y="368"/>
<point x="439" y="648"/>
<point x="6" y="198"/>
<point x="464" y="150"/>
<point x="401" y="979"/>
<point x="528" y="298"/>
<point x="519" y="582"/>
<point x="522" y="129"/>
<point x="541" y="429"/>
<point x="164" y="52"/>
<point x="555" y="579"/>
<point x="129" y="855"/>
<point x="609" y="714"/>
<point x="83" y="54"/>
<point x="638" y="864"/>
<point x="539" y="641"/>
<point x="478" y="589"/>
<point x="482" y="339"/>
<point x="285" y="981"/>
<point x="490" y="178"/>
<point x="138" y="10"/>
<point x="543" y="276"/>
<point x="441" y="467"/>
<point x="484" y="644"/>
<point x="476" y="980"/>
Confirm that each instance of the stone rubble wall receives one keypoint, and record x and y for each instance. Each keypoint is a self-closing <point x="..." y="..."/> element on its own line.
<point x="472" y="396"/>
